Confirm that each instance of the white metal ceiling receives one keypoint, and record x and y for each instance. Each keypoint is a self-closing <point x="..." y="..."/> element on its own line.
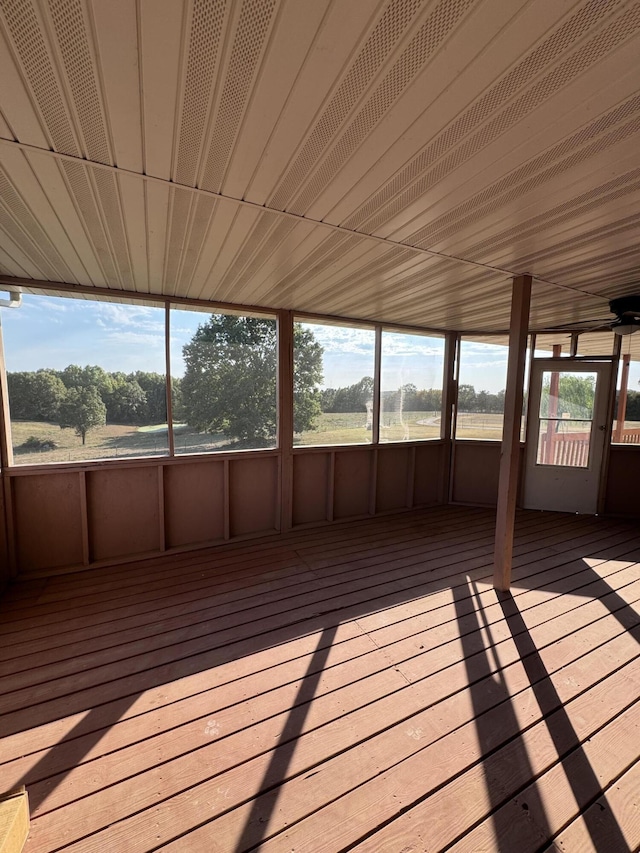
<point x="394" y="160"/>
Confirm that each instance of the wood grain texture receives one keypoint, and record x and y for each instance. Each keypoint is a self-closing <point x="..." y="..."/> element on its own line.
<point x="361" y="683"/>
<point x="510" y="450"/>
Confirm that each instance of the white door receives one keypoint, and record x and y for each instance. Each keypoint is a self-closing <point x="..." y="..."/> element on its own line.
<point x="566" y="433"/>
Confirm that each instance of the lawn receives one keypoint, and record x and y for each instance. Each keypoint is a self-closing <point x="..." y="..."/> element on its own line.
<point x="351" y="428"/>
<point x="108" y="442"/>
<point x="120" y="441"/>
<point x="114" y="441"/>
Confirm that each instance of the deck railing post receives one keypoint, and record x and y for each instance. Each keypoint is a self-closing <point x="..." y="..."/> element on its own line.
<point x="622" y="399"/>
<point x="510" y="451"/>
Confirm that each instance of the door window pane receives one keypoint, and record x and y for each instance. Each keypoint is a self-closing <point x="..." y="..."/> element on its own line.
<point x="564" y="442"/>
<point x="567" y="395"/>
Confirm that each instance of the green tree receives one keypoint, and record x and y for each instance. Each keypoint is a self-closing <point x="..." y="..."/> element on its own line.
<point x="352" y="398"/>
<point x="467" y="398"/>
<point x="307" y="376"/>
<point x="229" y="384"/>
<point x="633" y="406"/>
<point x="155" y="389"/>
<point x="35" y="396"/>
<point x="126" y="401"/>
<point x="575" y="395"/>
<point x="81" y="410"/>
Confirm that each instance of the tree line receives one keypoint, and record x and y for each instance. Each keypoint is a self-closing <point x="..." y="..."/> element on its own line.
<point x="407" y="398"/>
<point x="82" y="398"/>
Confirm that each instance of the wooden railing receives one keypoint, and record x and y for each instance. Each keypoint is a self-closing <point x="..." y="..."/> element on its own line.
<point x="629" y="436"/>
<point x="565" y="448"/>
<point x="572" y="448"/>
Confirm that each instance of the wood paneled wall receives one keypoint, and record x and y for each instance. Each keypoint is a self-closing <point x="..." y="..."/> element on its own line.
<point x="5" y="573"/>
<point x="476" y="465"/>
<point x="100" y="513"/>
<point x="81" y="516"/>
<point x="622" y="493"/>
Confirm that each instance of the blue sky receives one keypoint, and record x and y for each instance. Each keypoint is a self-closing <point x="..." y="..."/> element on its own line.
<point x="49" y="331"/>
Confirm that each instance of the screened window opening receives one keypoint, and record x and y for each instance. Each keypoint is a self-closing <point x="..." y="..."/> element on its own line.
<point x="86" y="380"/>
<point x="481" y="388"/>
<point x="410" y="386"/>
<point x="223" y="381"/>
<point x="333" y="368"/>
<point x="626" y="425"/>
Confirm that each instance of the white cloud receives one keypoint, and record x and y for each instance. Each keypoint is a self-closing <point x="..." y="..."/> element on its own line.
<point x="110" y="315"/>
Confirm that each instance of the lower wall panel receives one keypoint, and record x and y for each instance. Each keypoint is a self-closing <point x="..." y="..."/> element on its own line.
<point x="194" y="499"/>
<point x="5" y="565"/>
<point x="352" y="483"/>
<point x="394" y="478"/>
<point x="622" y="495"/>
<point x="427" y="474"/>
<point x="476" y="468"/>
<point x="343" y="482"/>
<point x="123" y="510"/>
<point x="47" y="520"/>
<point x="253" y="495"/>
<point x="311" y="485"/>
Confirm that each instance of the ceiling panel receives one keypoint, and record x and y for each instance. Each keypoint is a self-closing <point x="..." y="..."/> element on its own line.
<point x="392" y="160"/>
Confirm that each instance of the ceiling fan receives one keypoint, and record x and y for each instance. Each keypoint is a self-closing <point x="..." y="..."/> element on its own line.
<point x="626" y="322"/>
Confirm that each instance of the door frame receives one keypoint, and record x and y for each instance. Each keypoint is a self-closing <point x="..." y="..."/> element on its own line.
<point x="604" y="366"/>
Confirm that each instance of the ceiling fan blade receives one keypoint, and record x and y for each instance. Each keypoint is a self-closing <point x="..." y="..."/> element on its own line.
<point x="579" y="326"/>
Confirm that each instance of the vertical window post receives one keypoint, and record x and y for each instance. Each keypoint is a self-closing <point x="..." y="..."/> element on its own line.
<point x="285" y="416"/>
<point x="6" y="447"/>
<point x="6" y="459"/>
<point x="167" y="349"/>
<point x="447" y="404"/>
<point x="375" y="415"/>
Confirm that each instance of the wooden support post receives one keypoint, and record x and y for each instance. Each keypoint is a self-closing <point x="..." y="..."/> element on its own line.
<point x="622" y="399"/>
<point x="510" y="452"/>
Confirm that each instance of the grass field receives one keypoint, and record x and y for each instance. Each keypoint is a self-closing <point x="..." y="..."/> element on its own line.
<point x="112" y="441"/>
<point x="120" y="441"/>
<point x="350" y="428"/>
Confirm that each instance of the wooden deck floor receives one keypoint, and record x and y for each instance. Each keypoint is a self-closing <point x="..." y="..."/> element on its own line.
<point x="357" y="687"/>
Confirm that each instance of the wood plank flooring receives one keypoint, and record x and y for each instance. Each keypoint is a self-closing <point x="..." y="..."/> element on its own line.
<point x="355" y="687"/>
